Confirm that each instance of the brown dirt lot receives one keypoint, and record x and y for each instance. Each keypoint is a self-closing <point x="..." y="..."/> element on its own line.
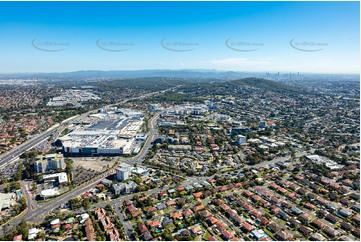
<point x="97" y="164"/>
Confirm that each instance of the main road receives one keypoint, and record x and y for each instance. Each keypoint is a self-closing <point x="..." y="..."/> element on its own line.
<point x="35" y="213"/>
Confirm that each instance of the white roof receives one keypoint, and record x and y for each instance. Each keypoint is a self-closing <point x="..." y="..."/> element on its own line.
<point x="241" y="136"/>
<point x="139" y="170"/>
<point x="84" y="216"/>
<point x="55" y="221"/>
<point x="62" y="177"/>
<point x="33" y="233"/>
<point x="6" y="200"/>
<point x="315" y="157"/>
<point x="32" y="236"/>
<point x="50" y="156"/>
<point x="49" y="193"/>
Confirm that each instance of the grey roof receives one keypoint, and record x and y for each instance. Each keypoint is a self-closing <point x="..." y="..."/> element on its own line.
<point x="296" y="210"/>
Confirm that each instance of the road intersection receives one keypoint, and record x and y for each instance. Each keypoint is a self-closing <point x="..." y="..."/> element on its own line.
<point x="37" y="211"/>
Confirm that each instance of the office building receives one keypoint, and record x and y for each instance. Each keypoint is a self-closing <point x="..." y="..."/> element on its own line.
<point x="123" y="172"/>
<point x="44" y="163"/>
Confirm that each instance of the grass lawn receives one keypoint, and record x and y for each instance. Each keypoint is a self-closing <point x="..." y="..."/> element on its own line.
<point x="198" y="238"/>
<point x="133" y="220"/>
<point x="171" y="227"/>
<point x="281" y="221"/>
<point x="226" y="169"/>
<point x="218" y="238"/>
<point x="206" y="235"/>
<point x="268" y="232"/>
<point x="260" y="174"/>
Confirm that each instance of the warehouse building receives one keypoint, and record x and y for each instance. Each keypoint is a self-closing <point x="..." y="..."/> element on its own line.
<point x="109" y="132"/>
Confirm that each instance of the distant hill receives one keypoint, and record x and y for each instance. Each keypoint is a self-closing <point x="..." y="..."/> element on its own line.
<point x="264" y="84"/>
<point x="118" y="74"/>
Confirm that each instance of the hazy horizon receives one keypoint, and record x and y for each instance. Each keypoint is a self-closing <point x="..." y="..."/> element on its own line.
<point x="179" y="70"/>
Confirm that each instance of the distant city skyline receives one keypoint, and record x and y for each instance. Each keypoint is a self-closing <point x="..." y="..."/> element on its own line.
<point x="305" y="37"/>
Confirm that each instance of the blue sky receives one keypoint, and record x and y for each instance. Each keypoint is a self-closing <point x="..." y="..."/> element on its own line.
<point x="312" y="37"/>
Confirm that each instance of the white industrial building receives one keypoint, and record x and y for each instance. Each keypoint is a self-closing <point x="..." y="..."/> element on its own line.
<point x="316" y="159"/>
<point x="200" y="109"/>
<point x="111" y="132"/>
<point x="57" y="177"/>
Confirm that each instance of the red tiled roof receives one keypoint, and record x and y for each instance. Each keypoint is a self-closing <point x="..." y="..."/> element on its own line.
<point x="163" y="193"/>
<point x="18" y="237"/>
<point x="86" y="195"/>
<point x="152" y="209"/>
<point x="131" y="208"/>
<point x="309" y="205"/>
<point x="264" y="221"/>
<point x="228" y="234"/>
<point x="212" y="220"/>
<point x="54" y="226"/>
<point x="89" y="230"/>
<point x="247" y="207"/>
<point x="247" y="226"/>
<point x="256" y="213"/>
<point x="142" y="228"/>
<point x="237" y="185"/>
<point x="187" y="213"/>
<point x="197" y="194"/>
<point x="211" y="238"/>
<point x="248" y="193"/>
<point x="221" y="226"/>
<point x="223" y="188"/>
<point x="136" y="213"/>
<point x="154" y="223"/>
<point x="225" y="207"/>
<point x="170" y="203"/>
<point x="198" y="208"/>
<point x="177" y="215"/>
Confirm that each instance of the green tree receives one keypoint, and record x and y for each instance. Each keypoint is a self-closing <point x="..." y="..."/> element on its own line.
<point x="22" y="202"/>
<point x="86" y="203"/>
<point x="168" y="237"/>
<point x="18" y="174"/>
<point x="23" y="228"/>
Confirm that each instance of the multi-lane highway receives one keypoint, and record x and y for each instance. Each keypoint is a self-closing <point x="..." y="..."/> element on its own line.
<point x="14" y="153"/>
<point x="35" y="213"/>
<point x="19" y="150"/>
